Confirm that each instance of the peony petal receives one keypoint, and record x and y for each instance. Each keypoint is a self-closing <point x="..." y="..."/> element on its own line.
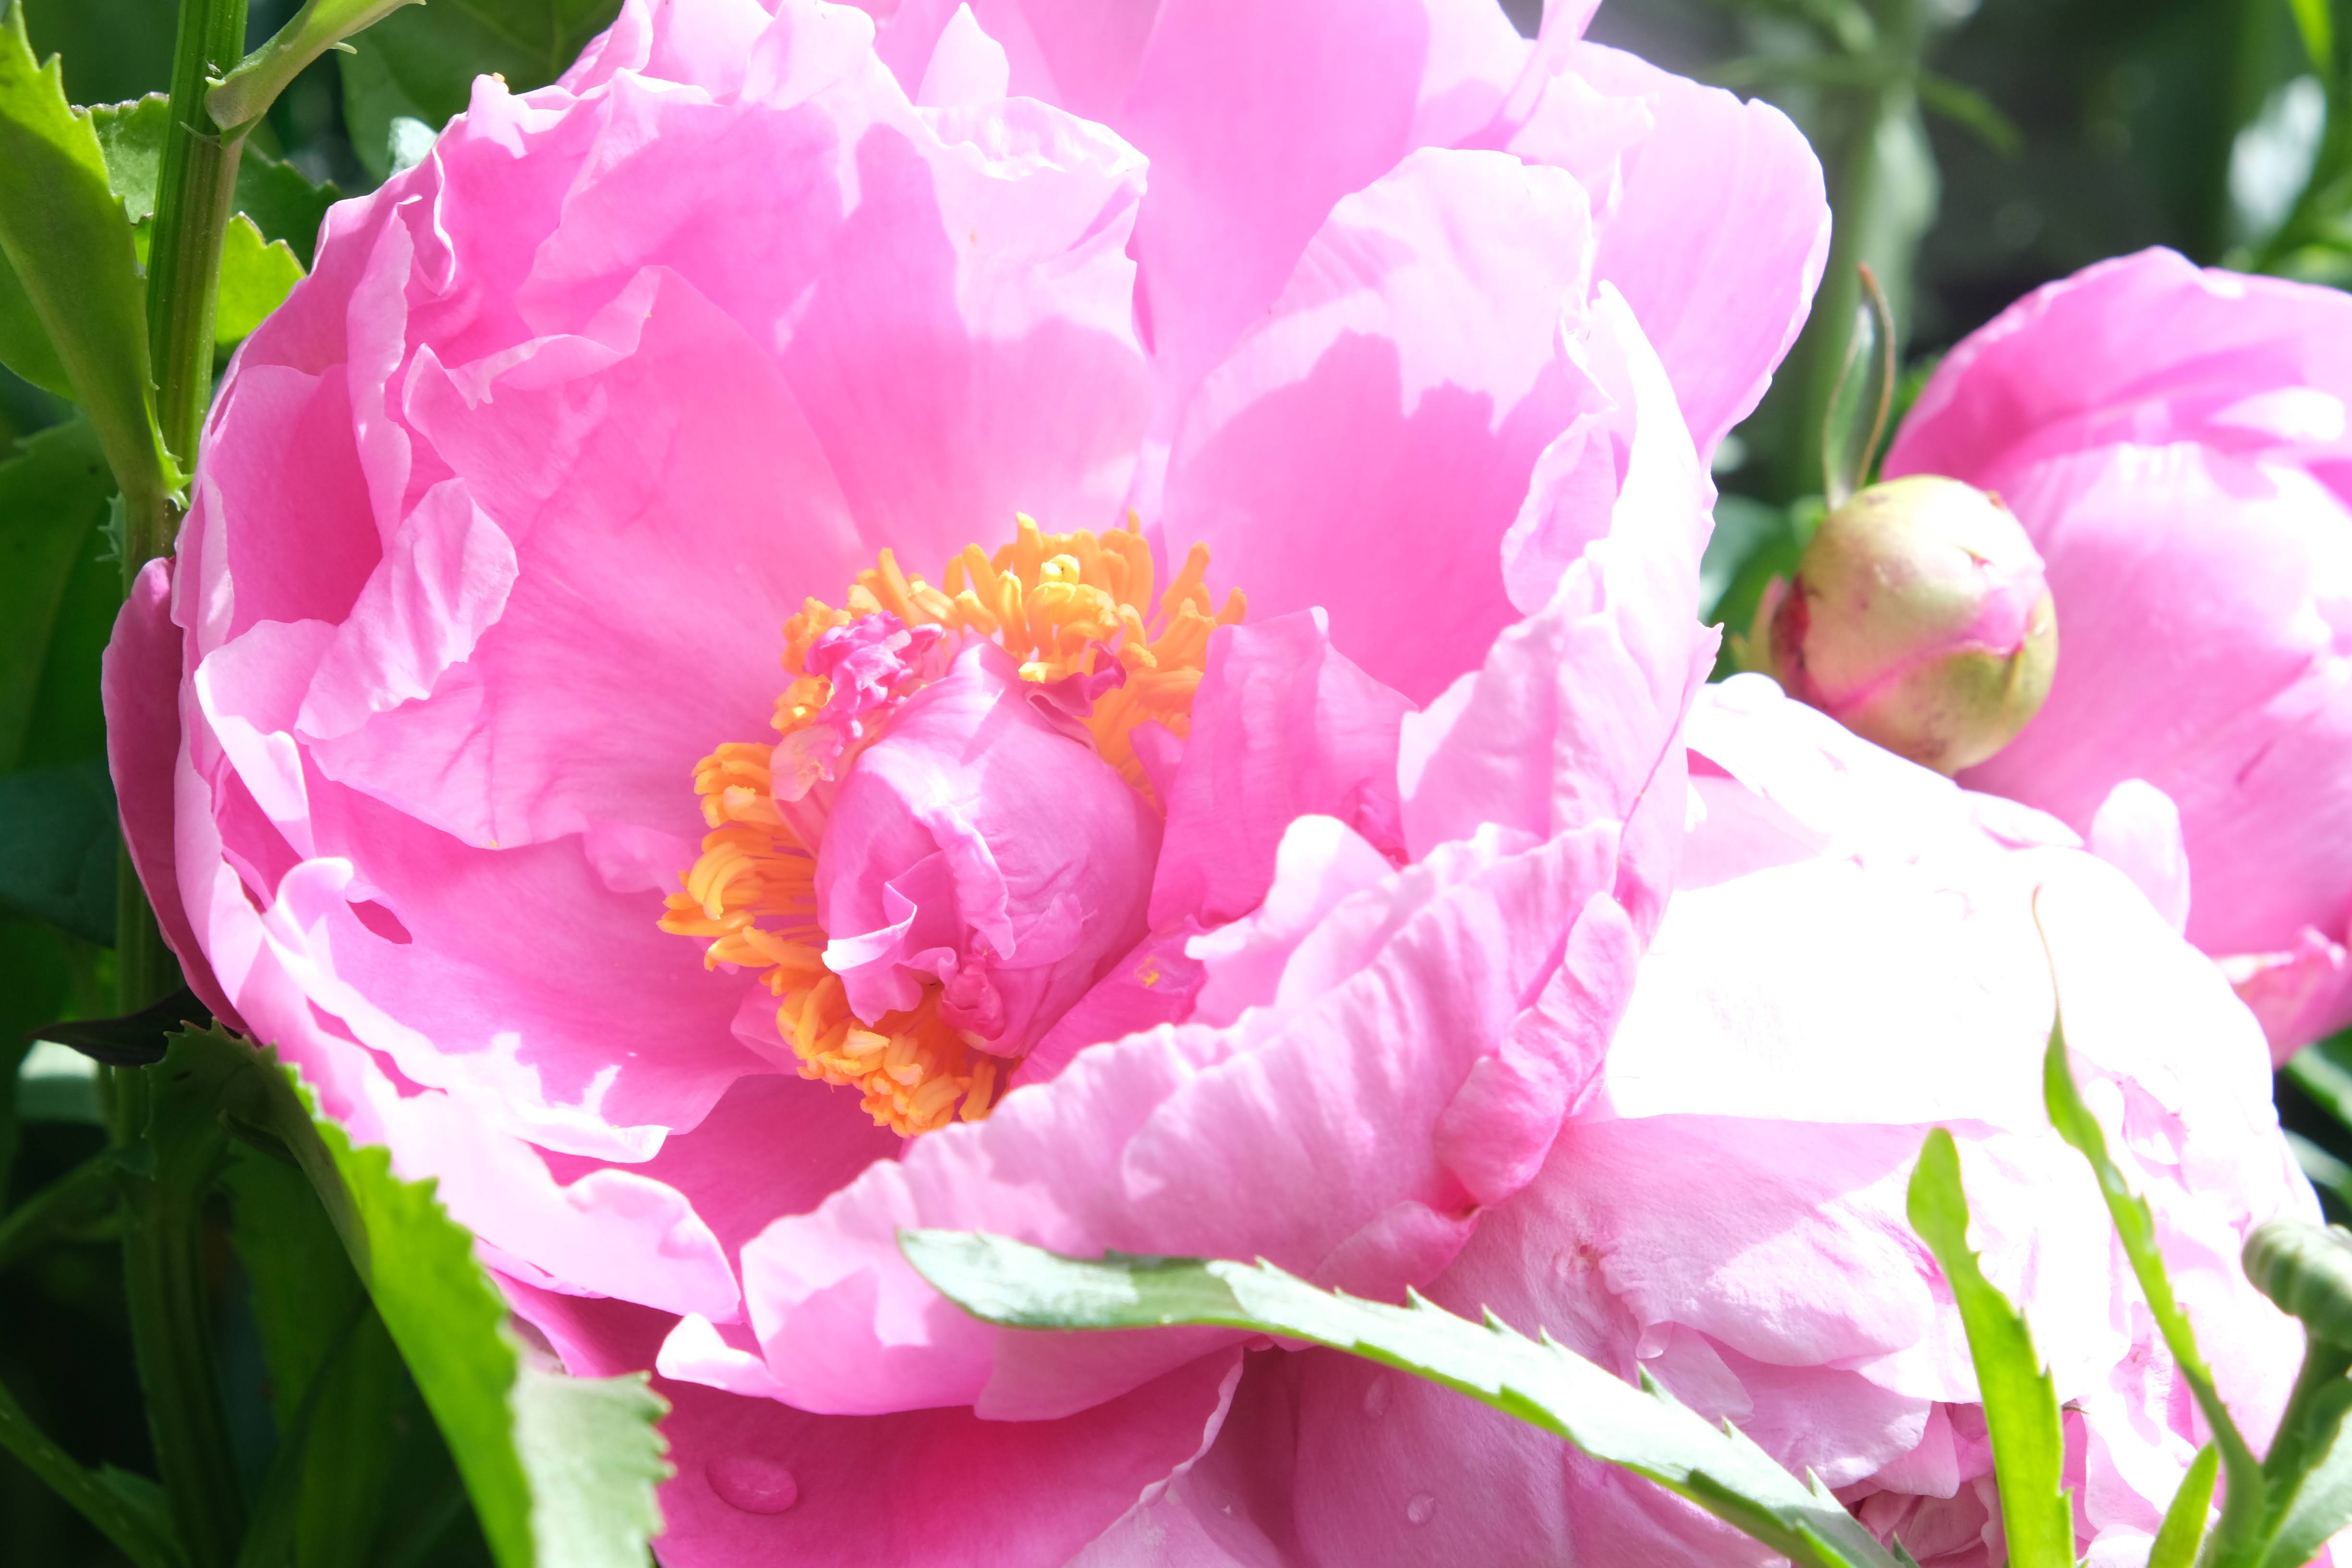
<point x="1169" y="1136"/>
<point x="1410" y="371"/>
<point x="1717" y="239"/>
<point x="1623" y="621"/>
<point x="1283" y="725"/>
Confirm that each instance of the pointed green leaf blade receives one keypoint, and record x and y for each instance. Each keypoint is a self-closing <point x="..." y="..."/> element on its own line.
<point x="2135" y="1228"/>
<point x="2183" y="1530"/>
<point x="131" y="136"/>
<point x="561" y="1470"/>
<point x="1546" y="1385"/>
<point x="2021" y="1400"/>
<point x="256" y="276"/>
<point x="65" y="240"/>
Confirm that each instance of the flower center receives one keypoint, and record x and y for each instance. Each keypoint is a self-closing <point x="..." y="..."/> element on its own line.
<point x="1075" y="613"/>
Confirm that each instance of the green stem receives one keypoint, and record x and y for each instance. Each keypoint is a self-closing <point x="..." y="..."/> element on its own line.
<point x="114" y="1516"/>
<point x="1866" y="187"/>
<point x="171" y="1330"/>
<point x="163" y="1273"/>
<point x="144" y="970"/>
<point x="2300" y="1439"/>
<point x="193" y="203"/>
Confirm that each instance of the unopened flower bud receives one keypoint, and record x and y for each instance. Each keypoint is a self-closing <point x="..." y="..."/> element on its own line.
<point x="1919" y="619"/>
<point x="2305" y="1269"/>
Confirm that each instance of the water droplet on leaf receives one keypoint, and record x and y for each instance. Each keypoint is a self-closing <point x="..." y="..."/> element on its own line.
<point x="1376" y="1395"/>
<point x="1418" y="1510"/>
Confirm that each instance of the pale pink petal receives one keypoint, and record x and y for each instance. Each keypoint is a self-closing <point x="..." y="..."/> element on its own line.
<point x="1337" y="85"/>
<point x="1283" y="725"/>
<point x="1717" y="239"/>
<point x="141" y="680"/>
<point x="1401" y="389"/>
<point x="2137" y="830"/>
<point x="1169" y="1136"/>
<point x="1524" y="743"/>
<point x="756" y="1480"/>
<point x="2189" y="491"/>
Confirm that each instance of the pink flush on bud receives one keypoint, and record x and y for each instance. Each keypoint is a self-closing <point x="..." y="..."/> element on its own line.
<point x="1919" y="619"/>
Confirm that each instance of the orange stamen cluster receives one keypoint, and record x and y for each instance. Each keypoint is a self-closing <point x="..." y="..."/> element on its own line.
<point x="1059" y="603"/>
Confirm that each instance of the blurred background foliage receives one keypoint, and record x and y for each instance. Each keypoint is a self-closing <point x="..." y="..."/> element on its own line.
<point x="1974" y="149"/>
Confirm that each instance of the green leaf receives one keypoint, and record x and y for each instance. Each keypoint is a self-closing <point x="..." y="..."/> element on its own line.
<point x="246" y="93"/>
<point x="2313" y="1500"/>
<point x="52" y="497"/>
<point x="273" y="195"/>
<point x="2135" y="1226"/>
<point x="131" y="135"/>
<point x="65" y="235"/>
<point x="118" y="1513"/>
<point x="2324" y="1071"/>
<point x="57" y="842"/>
<point x="359" y="1458"/>
<point x="282" y="202"/>
<point x="420" y="64"/>
<point x="1647" y="1431"/>
<point x="561" y="1470"/>
<point x="2021" y="1400"/>
<point x="256" y="276"/>
<point x="2318" y="30"/>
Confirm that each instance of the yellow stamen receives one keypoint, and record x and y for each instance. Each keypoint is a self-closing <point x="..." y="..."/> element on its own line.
<point x="1059" y="603"/>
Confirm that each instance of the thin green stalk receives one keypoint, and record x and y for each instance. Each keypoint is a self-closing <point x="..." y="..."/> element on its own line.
<point x="164" y="1187"/>
<point x="192" y="203"/>
<point x="115" y="1518"/>
<point x="144" y="970"/>
<point x="170" y="1329"/>
<point x="2323" y="1366"/>
<point x="1866" y="220"/>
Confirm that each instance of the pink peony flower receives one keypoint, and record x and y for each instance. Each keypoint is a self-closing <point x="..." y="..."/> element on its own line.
<point x="1041" y="888"/>
<point x="1850" y="957"/>
<point x="2175" y="443"/>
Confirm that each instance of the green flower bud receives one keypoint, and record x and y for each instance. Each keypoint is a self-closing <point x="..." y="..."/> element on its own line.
<point x="1919" y="618"/>
<point x="2306" y="1269"/>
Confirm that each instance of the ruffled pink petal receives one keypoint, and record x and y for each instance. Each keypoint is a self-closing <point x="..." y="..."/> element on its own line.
<point x="1718" y="235"/>
<point x="612" y="1231"/>
<point x="759" y="1481"/>
<point x="2137" y="830"/>
<point x="1532" y="741"/>
<point x="140" y="681"/>
<point x="1231" y="1508"/>
<point x="979" y="844"/>
<point x="1283" y="725"/>
<point x="2188" y="494"/>
<point x="1339" y="86"/>
<point x="537" y="477"/>
<point x="1411" y="372"/>
<point x="1169" y="1139"/>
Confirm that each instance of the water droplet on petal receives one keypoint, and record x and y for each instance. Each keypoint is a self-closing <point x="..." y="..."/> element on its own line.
<point x="1376" y="1395"/>
<point x="752" y="1483"/>
<point x="1418" y="1510"/>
